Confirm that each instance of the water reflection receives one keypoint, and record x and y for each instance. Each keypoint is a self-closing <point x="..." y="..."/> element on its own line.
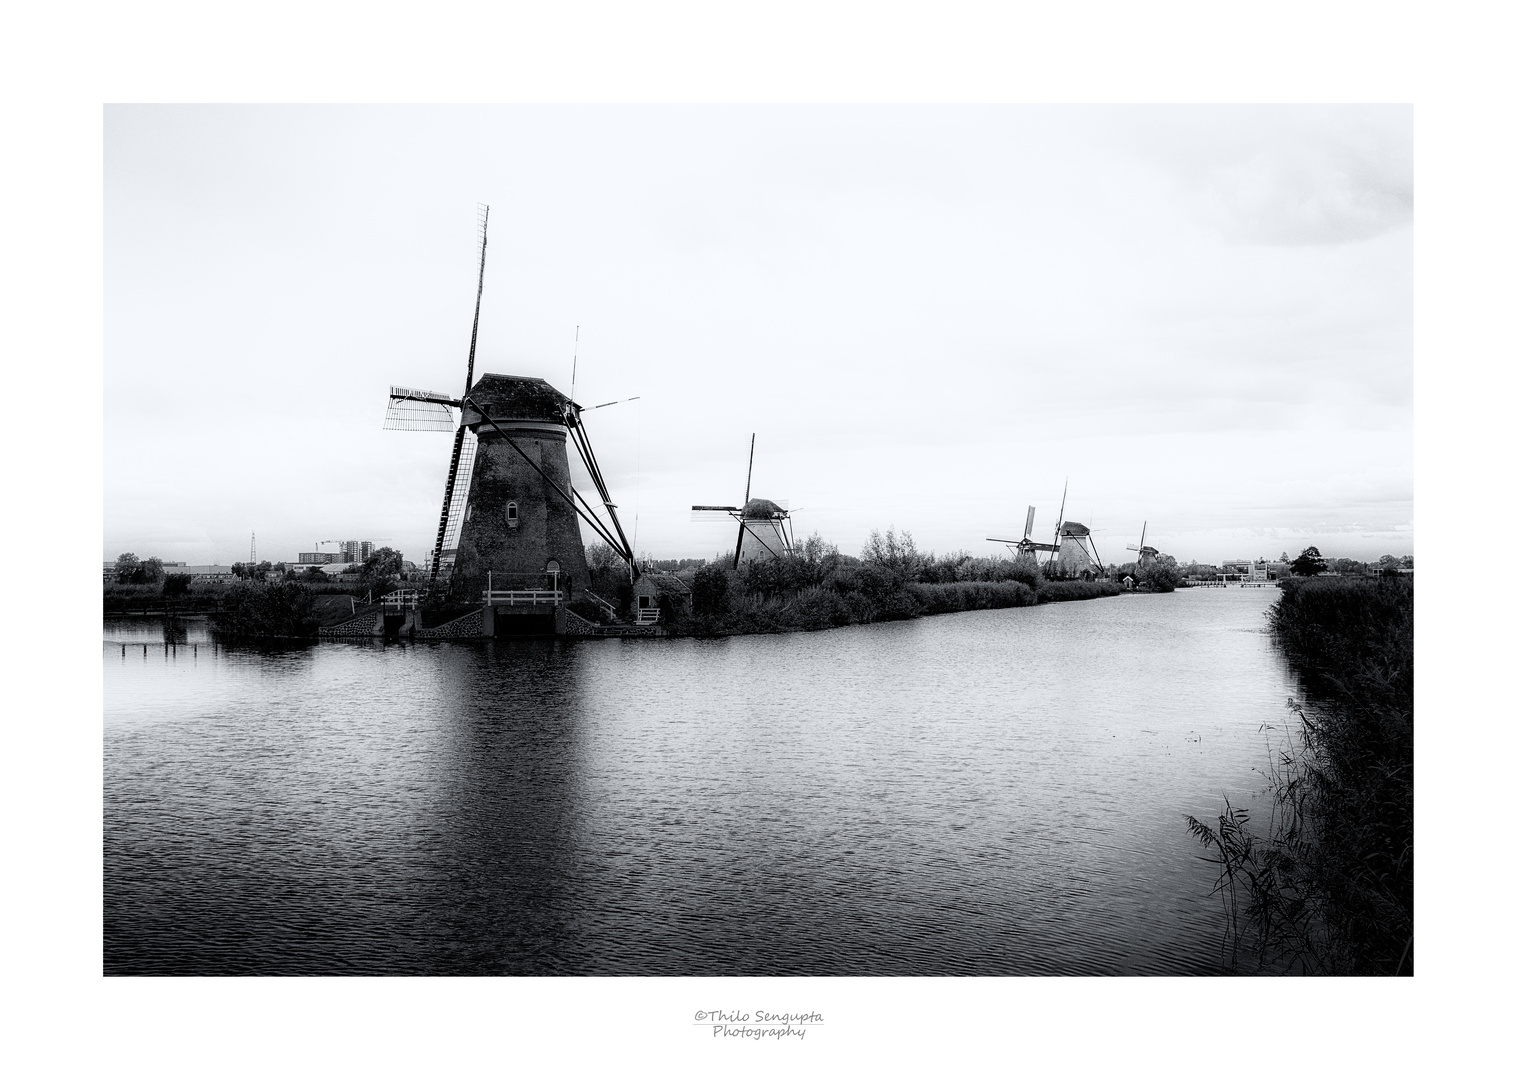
<point x="987" y="793"/>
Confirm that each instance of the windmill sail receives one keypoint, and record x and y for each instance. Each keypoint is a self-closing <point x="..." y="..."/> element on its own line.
<point x="457" y="497"/>
<point x="462" y="464"/>
<point x="419" y="410"/>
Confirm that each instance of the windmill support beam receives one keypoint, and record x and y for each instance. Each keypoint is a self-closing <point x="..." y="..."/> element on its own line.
<point x="587" y="455"/>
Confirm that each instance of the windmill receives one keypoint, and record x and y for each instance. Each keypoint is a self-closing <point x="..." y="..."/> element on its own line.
<point x="509" y="510"/>
<point x="1077" y="550"/>
<point x="1026" y="545"/>
<point x="1073" y="549"/>
<point x="1144" y="552"/>
<point x="764" y="522"/>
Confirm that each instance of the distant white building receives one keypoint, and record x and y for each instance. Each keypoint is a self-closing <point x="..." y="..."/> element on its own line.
<point x="208" y="572"/>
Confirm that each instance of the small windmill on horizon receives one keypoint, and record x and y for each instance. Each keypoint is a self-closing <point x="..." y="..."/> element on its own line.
<point x="1144" y="551"/>
<point x="764" y="523"/>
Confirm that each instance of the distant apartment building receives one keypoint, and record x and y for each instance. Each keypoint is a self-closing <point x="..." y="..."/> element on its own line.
<point x="348" y="551"/>
<point x="356" y="550"/>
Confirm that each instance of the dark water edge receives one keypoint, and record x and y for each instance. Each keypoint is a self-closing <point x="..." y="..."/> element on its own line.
<point x="967" y="794"/>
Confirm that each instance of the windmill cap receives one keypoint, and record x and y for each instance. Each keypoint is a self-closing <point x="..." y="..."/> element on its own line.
<point x="762" y="508"/>
<point x="518" y="397"/>
<point x="1073" y="528"/>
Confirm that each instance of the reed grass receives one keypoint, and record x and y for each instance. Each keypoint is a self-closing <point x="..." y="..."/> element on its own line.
<point x="1325" y="885"/>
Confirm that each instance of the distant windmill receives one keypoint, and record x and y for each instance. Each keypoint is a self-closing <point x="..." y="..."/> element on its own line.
<point x="1144" y="552"/>
<point x="1026" y="545"/>
<point x="1077" y="549"/>
<point x="765" y="523"/>
<point x="1073" y="549"/>
<point x="508" y="507"/>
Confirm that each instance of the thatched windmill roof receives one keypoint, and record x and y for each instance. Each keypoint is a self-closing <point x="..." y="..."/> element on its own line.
<point x="518" y="397"/>
<point x="762" y="510"/>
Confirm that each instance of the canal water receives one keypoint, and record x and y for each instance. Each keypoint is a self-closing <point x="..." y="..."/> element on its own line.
<point x="987" y="793"/>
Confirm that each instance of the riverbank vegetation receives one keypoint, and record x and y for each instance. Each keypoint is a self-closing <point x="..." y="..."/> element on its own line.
<point x="266" y="610"/>
<point x="1323" y="885"/>
<point x="817" y="587"/>
<point x="148" y="587"/>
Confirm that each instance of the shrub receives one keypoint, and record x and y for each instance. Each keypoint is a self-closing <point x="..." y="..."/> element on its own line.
<point x="282" y="610"/>
<point x="895" y="554"/>
<point x="937" y="599"/>
<point x="709" y="592"/>
<point x="1160" y="573"/>
<point x="586" y="608"/>
<point x="1052" y="592"/>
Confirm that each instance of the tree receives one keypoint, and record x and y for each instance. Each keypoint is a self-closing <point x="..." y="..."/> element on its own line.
<point x="897" y="554"/>
<point x="381" y="570"/>
<point x="176" y="585"/>
<point x="1309" y="563"/>
<point x="602" y="557"/>
<point x="127" y="564"/>
<point x="1160" y="573"/>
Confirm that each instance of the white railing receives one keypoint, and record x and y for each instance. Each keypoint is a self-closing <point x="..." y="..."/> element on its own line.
<point x="647" y="616"/>
<point x="604" y="605"/>
<point x="401" y="599"/>
<point x="514" y="597"/>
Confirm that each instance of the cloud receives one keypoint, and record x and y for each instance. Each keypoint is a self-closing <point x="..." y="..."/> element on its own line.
<point x="1287" y="175"/>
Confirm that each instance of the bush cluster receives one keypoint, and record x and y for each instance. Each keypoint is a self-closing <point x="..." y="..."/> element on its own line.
<point x="816" y="587"/>
<point x="278" y="610"/>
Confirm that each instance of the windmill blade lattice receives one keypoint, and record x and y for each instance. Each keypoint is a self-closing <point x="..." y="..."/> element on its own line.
<point x="419" y="410"/>
<point x="458" y="502"/>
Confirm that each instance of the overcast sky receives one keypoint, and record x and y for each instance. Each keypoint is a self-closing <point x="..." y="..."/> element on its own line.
<point x="930" y="316"/>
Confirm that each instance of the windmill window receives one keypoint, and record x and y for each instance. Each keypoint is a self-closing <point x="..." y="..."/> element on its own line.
<point x="511" y="515"/>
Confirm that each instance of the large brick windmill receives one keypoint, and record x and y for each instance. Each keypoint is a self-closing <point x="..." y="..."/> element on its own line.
<point x="510" y="514"/>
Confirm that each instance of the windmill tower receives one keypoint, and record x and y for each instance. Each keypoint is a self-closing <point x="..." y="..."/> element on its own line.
<point x="510" y="516"/>
<point x="1077" y="550"/>
<point x="763" y="526"/>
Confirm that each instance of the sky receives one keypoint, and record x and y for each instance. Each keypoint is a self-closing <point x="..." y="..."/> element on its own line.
<point x="931" y="317"/>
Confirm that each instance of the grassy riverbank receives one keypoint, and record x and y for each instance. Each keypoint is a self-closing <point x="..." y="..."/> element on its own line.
<point x="1325" y="886"/>
<point x="817" y="588"/>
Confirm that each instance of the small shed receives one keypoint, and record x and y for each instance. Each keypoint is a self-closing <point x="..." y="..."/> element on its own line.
<point x="645" y="609"/>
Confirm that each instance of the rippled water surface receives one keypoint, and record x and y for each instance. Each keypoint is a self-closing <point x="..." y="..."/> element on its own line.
<point x="998" y="792"/>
